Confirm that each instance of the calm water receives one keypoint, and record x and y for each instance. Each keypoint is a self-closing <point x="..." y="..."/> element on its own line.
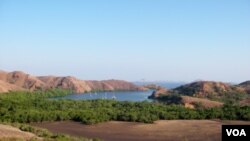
<point x="118" y="95"/>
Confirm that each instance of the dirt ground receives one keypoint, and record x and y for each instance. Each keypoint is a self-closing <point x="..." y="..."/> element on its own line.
<point x="164" y="130"/>
<point x="11" y="133"/>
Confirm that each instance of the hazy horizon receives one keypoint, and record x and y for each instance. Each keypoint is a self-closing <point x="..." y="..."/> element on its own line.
<point x="179" y="41"/>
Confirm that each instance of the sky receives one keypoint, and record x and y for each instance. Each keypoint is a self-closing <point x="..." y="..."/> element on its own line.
<point x="150" y="40"/>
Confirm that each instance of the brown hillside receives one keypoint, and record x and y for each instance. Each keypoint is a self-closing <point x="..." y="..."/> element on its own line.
<point x="207" y="88"/>
<point x="18" y="80"/>
<point x="6" y="87"/>
<point x="246" y="86"/>
<point x="192" y="102"/>
<point x="68" y="82"/>
<point x="22" y="80"/>
<point x="197" y="92"/>
<point x="187" y="101"/>
<point x="112" y="85"/>
<point x="159" y="92"/>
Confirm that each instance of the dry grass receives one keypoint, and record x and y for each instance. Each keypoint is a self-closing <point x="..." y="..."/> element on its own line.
<point x="206" y="103"/>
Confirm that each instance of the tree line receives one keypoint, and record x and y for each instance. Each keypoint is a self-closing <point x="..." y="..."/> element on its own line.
<point x="25" y="107"/>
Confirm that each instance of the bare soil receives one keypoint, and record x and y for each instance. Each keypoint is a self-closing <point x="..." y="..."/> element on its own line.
<point x="11" y="133"/>
<point x="163" y="130"/>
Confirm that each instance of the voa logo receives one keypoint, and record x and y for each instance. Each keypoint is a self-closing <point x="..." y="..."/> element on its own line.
<point x="236" y="132"/>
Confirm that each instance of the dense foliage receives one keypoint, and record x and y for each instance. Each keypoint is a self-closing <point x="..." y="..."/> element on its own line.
<point x="169" y="99"/>
<point x="25" y="107"/>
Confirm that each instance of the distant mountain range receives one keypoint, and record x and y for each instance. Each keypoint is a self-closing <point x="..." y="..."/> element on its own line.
<point x="18" y="81"/>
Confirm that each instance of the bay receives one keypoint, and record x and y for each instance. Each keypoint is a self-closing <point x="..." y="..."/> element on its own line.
<point x="116" y="95"/>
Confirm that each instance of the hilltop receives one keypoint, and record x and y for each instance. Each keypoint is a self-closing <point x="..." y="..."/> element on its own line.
<point x="18" y="80"/>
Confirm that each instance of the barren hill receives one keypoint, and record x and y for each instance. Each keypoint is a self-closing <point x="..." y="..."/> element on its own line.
<point x="5" y="87"/>
<point x="17" y="80"/>
<point x="22" y="80"/>
<point x="208" y="88"/>
<point x="68" y="82"/>
<point x="112" y="85"/>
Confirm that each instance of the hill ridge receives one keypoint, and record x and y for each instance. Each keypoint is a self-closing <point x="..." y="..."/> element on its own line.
<point x="18" y="80"/>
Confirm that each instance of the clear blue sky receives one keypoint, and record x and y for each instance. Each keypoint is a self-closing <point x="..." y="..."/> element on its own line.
<point x="174" y="40"/>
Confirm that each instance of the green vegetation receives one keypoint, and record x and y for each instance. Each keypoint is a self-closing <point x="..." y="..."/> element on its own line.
<point x="229" y="97"/>
<point x="169" y="99"/>
<point x="233" y="98"/>
<point x="26" y="107"/>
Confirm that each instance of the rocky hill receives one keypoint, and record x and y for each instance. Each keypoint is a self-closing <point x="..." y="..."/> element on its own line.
<point x="17" y="80"/>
